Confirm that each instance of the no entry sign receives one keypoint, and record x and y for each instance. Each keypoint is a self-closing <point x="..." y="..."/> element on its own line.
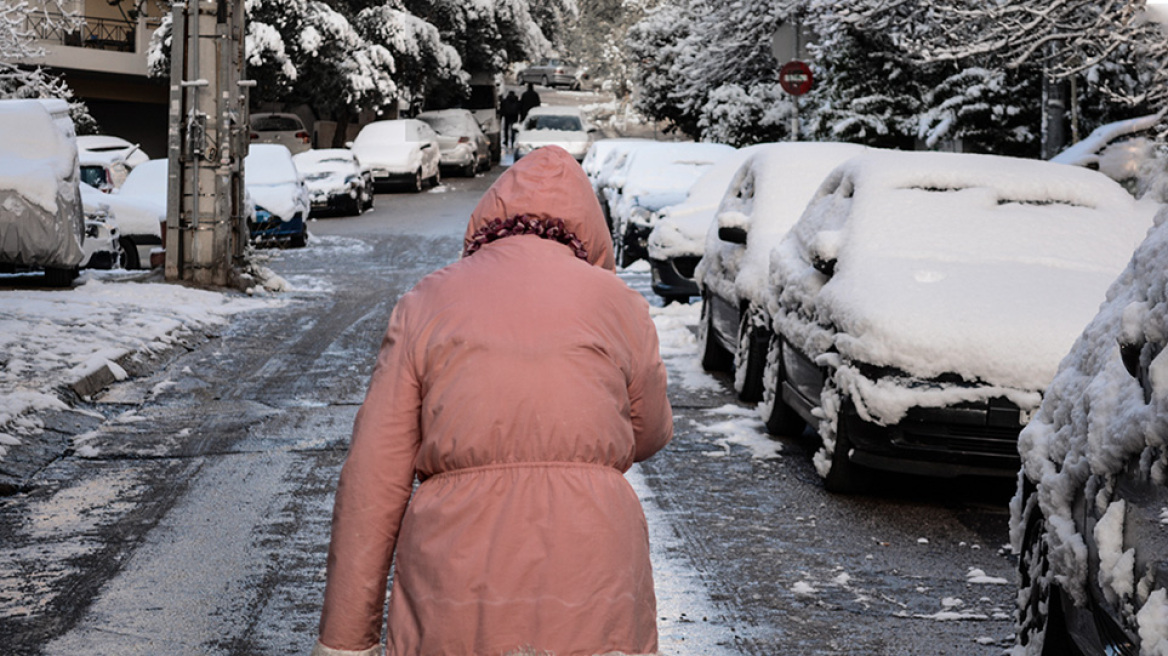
<point x="795" y="78"/>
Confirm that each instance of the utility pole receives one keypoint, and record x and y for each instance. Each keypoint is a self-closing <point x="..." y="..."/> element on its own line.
<point x="206" y="228"/>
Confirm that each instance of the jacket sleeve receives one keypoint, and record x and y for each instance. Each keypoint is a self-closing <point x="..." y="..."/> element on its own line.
<point x="375" y="486"/>
<point x="648" y="400"/>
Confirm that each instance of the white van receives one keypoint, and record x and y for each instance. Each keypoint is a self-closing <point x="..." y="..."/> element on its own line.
<point x="41" y="221"/>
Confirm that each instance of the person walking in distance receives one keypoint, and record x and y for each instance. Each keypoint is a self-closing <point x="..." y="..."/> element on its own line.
<point x="528" y="101"/>
<point x="517" y="385"/>
<point x="509" y="109"/>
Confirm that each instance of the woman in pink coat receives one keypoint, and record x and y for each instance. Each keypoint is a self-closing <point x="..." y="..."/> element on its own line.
<point x="517" y="385"/>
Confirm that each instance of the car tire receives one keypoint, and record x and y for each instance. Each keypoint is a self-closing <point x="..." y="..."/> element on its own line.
<point x="419" y="182"/>
<point x="845" y="476"/>
<point x="714" y="357"/>
<point x="1040" y="611"/>
<point x="543" y="81"/>
<point x="470" y="169"/>
<point x="353" y="207"/>
<point x="299" y="240"/>
<point x="780" y="418"/>
<point x="60" y="277"/>
<point x="129" y="255"/>
<point x="750" y="359"/>
<point x="368" y="200"/>
<point x="436" y="179"/>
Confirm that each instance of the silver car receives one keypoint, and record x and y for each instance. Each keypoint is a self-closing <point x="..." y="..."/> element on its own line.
<point x="463" y="146"/>
<point x="284" y="129"/>
<point x="554" y="73"/>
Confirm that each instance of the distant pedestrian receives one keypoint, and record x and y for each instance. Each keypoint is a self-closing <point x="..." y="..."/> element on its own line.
<point x="516" y="385"/>
<point x="510" y="110"/>
<point x="528" y="101"/>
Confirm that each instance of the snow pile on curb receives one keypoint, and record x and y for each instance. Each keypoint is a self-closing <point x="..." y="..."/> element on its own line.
<point x="50" y="339"/>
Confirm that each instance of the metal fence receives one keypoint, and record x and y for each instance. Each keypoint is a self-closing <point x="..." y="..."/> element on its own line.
<point x="102" y="33"/>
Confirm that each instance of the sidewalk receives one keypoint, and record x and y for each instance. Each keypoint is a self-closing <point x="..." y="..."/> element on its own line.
<point x="59" y="347"/>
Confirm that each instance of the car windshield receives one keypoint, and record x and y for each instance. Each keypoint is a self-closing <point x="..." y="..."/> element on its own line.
<point x="276" y="124"/>
<point x="93" y="175"/>
<point x="553" y="122"/>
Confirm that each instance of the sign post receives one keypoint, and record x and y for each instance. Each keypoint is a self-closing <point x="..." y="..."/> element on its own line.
<point x="796" y="79"/>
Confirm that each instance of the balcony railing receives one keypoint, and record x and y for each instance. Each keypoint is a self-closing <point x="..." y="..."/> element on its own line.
<point x="103" y="33"/>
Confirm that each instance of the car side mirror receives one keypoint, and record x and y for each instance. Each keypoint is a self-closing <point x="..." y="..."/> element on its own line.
<point x="823" y="250"/>
<point x="732" y="234"/>
<point x="1130" y="355"/>
<point x="425" y="146"/>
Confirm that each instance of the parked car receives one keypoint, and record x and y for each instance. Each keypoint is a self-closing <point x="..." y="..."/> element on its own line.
<point x="605" y="164"/>
<point x="923" y="301"/>
<point x="106" y="160"/>
<point x="139" y="209"/>
<point x="678" y="238"/>
<point x="558" y="125"/>
<point x="41" y="222"/>
<point x="462" y="144"/>
<point x="400" y="150"/>
<point x="284" y="129"/>
<point x="280" y="196"/>
<point x="336" y="181"/>
<point x="656" y="177"/>
<point x="554" y="73"/>
<point x="1087" y="521"/>
<point x="101" y="246"/>
<point x="764" y="199"/>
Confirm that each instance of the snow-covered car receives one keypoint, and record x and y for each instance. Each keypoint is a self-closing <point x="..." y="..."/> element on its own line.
<point x="656" y="177"/>
<point x="554" y="73"/>
<point x="139" y="209"/>
<point x="923" y="301"/>
<point x="42" y="226"/>
<point x="284" y="129"/>
<point x="763" y="200"/>
<point x="336" y="181"/>
<point x="101" y="247"/>
<point x="678" y="238"/>
<point x="605" y="163"/>
<point x="280" y="196"/>
<point x="556" y="125"/>
<point x="1088" y="517"/>
<point x="461" y="142"/>
<point x="1124" y="151"/>
<point x="106" y="160"/>
<point x="400" y="150"/>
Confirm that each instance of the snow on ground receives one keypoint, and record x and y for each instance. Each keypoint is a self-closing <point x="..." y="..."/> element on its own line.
<point x="52" y="338"/>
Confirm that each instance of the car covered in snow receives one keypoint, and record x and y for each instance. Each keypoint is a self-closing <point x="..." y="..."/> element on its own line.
<point x="139" y="209"/>
<point x="923" y="301"/>
<point x="106" y="160"/>
<point x="463" y="146"/>
<point x="766" y="196"/>
<point x="678" y="238"/>
<point x="281" y="197"/>
<point x="336" y="181"/>
<point x="1088" y="519"/>
<point x="42" y="226"/>
<point x="557" y="125"/>
<point x="400" y="151"/>
<point x="655" y="177"/>
<point x="101" y="247"/>
<point x="605" y="163"/>
<point x="284" y="129"/>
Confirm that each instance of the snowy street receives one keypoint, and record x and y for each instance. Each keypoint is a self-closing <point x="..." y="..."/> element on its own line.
<point x="191" y="513"/>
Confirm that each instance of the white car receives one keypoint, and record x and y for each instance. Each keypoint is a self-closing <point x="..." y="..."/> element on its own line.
<point x="655" y="177"/>
<point x="284" y="129"/>
<point x="923" y="301"/>
<point x="400" y="150"/>
<point x="42" y="226"/>
<point x="280" y="195"/>
<point x="561" y="126"/>
<point x="138" y="208"/>
<point x="106" y="160"/>
<point x="765" y="197"/>
<point x="101" y="247"/>
<point x="463" y="145"/>
<point x="336" y="181"/>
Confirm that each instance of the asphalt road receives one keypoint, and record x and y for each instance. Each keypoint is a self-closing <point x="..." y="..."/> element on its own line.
<point x="201" y="524"/>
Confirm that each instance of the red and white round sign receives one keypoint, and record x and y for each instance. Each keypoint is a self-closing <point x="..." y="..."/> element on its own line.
<point x="795" y="78"/>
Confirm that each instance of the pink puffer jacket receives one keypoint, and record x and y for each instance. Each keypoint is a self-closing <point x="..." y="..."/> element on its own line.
<point x="517" y="385"/>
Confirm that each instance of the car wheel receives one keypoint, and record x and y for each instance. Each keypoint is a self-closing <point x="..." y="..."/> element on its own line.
<point x="419" y="182"/>
<point x="368" y="200"/>
<point x="627" y="254"/>
<point x="129" y="254"/>
<point x="714" y="357"/>
<point x="1041" y="626"/>
<point x="544" y="81"/>
<point x="436" y="179"/>
<point x="58" y="277"/>
<point x="780" y="418"/>
<point x="353" y="206"/>
<point x="845" y="476"/>
<point x="750" y="358"/>
<point x="298" y="240"/>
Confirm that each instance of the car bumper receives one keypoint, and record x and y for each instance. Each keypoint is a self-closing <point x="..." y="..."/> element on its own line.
<point x="968" y="440"/>
<point x="336" y="200"/>
<point x="270" y="229"/>
<point x="673" y="278"/>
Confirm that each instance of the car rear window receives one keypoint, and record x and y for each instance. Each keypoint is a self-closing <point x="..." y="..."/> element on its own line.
<point x="550" y="122"/>
<point x="276" y="124"/>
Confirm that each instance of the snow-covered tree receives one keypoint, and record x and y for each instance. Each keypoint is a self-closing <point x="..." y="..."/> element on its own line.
<point x="427" y="67"/>
<point x="19" y="76"/>
<point x="487" y="34"/>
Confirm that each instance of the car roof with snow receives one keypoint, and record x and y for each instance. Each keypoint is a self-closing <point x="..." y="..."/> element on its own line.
<point x="670" y="167"/>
